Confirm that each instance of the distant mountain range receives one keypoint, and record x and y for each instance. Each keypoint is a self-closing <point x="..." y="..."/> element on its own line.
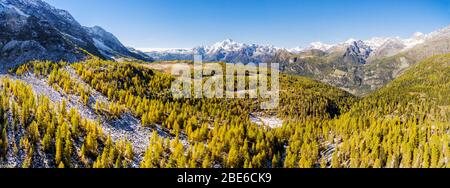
<point x="234" y="52"/>
<point x="224" y="51"/>
<point x="33" y="29"/>
<point x="358" y="66"/>
<point x="364" y="66"/>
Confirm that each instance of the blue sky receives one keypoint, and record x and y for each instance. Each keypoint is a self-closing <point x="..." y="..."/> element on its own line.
<point x="283" y="23"/>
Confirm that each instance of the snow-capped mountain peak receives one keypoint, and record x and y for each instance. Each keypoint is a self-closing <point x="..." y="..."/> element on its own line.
<point x="230" y="51"/>
<point x="227" y="42"/>
<point x="350" y="41"/>
<point x="376" y="42"/>
<point x="227" y="50"/>
<point x="295" y="50"/>
<point x="320" y="46"/>
<point x="227" y="45"/>
<point x="419" y="35"/>
<point x="416" y="39"/>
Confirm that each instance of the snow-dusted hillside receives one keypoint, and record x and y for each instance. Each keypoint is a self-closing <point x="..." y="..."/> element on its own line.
<point x="110" y="46"/>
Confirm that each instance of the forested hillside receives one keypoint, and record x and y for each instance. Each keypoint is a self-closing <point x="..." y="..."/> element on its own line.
<point x="404" y="124"/>
<point x="100" y="113"/>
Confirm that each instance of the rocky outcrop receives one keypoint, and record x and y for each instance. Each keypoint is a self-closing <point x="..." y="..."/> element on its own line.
<point x="29" y="38"/>
<point x="110" y="46"/>
<point x="34" y="30"/>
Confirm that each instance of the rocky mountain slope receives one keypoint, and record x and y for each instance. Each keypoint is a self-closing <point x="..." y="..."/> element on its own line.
<point x="363" y="66"/>
<point x="408" y="118"/>
<point x="33" y="29"/>
<point x="110" y="46"/>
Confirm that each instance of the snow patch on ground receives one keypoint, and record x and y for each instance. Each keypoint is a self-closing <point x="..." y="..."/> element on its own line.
<point x="273" y="122"/>
<point x="125" y="127"/>
<point x="101" y="45"/>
